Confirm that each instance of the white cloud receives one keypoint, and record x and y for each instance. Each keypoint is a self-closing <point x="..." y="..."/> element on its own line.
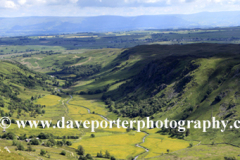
<point x="151" y="1"/>
<point x="15" y="8"/>
<point x="74" y="1"/>
<point x="9" y="4"/>
<point x="22" y="2"/>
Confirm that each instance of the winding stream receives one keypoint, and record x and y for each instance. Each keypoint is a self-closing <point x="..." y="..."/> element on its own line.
<point x="105" y="118"/>
<point x="69" y="99"/>
<point x="139" y="145"/>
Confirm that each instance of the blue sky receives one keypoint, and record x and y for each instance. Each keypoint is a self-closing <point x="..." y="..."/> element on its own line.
<point x="20" y="8"/>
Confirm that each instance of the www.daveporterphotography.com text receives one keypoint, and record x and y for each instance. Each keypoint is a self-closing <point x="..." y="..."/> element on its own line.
<point x="180" y="125"/>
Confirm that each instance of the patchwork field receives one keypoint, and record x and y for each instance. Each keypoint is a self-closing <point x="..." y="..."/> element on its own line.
<point x="49" y="100"/>
<point x="118" y="142"/>
<point x="121" y="146"/>
<point x="93" y="104"/>
<point x="159" y="144"/>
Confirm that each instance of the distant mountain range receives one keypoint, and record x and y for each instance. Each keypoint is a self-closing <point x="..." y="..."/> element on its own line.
<point x="57" y="25"/>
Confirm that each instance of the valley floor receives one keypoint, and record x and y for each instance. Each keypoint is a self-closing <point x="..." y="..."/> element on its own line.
<point x="117" y="142"/>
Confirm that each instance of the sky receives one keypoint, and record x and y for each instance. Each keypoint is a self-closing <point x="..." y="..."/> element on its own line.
<point x="22" y="8"/>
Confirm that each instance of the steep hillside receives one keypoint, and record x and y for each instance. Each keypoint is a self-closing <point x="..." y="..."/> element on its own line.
<point x="183" y="82"/>
<point x="18" y="86"/>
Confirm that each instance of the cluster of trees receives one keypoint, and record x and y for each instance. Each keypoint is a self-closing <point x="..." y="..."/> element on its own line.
<point x="55" y="83"/>
<point x="48" y="52"/>
<point x="52" y="142"/>
<point x="41" y="136"/>
<point x="229" y="158"/>
<point x="107" y="155"/>
<point x="43" y="152"/>
<point x="174" y="133"/>
<point x="81" y="71"/>
<point x="88" y="156"/>
<point x="26" y="107"/>
<point x="30" y="55"/>
<point x="8" y="135"/>
<point x="8" y="92"/>
<point x="63" y="153"/>
<point x="21" y="107"/>
<point x="95" y="91"/>
<point x="29" y="79"/>
<point x="80" y="151"/>
<point x="64" y="142"/>
<point x="132" y="108"/>
<point x="3" y="114"/>
<point x="36" y="97"/>
<point x="26" y="55"/>
<point x="47" y="135"/>
<point x="67" y="84"/>
<point x="20" y="146"/>
<point x="35" y="141"/>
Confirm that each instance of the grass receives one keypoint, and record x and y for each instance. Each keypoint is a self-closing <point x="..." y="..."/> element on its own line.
<point x="159" y="144"/>
<point x="47" y="63"/>
<point x="76" y="110"/>
<point x="11" y="156"/>
<point x="121" y="146"/>
<point x="54" y="152"/>
<point x="55" y="109"/>
<point x="49" y="100"/>
<point x="105" y="139"/>
<point x="206" y="152"/>
<point x="115" y="86"/>
<point x="10" y="49"/>
<point x="93" y="104"/>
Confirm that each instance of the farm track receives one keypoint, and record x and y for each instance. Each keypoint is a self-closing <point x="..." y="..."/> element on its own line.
<point x="105" y="118"/>
<point x="79" y="64"/>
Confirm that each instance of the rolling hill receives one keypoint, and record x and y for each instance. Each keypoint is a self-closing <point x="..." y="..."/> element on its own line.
<point x="19" y="26"/>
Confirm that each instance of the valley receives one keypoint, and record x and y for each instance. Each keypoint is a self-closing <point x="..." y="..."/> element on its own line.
<point x="189" y="81"/>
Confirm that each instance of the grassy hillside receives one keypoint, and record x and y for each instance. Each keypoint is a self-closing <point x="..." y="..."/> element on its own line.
<point x="19" y="86"/>
<point x="10" y="156"/>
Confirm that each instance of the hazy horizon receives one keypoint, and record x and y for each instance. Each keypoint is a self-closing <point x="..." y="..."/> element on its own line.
<point x="73" y="8"/>
<point x="31" y="17"/>
<point x="125" y="15"/>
